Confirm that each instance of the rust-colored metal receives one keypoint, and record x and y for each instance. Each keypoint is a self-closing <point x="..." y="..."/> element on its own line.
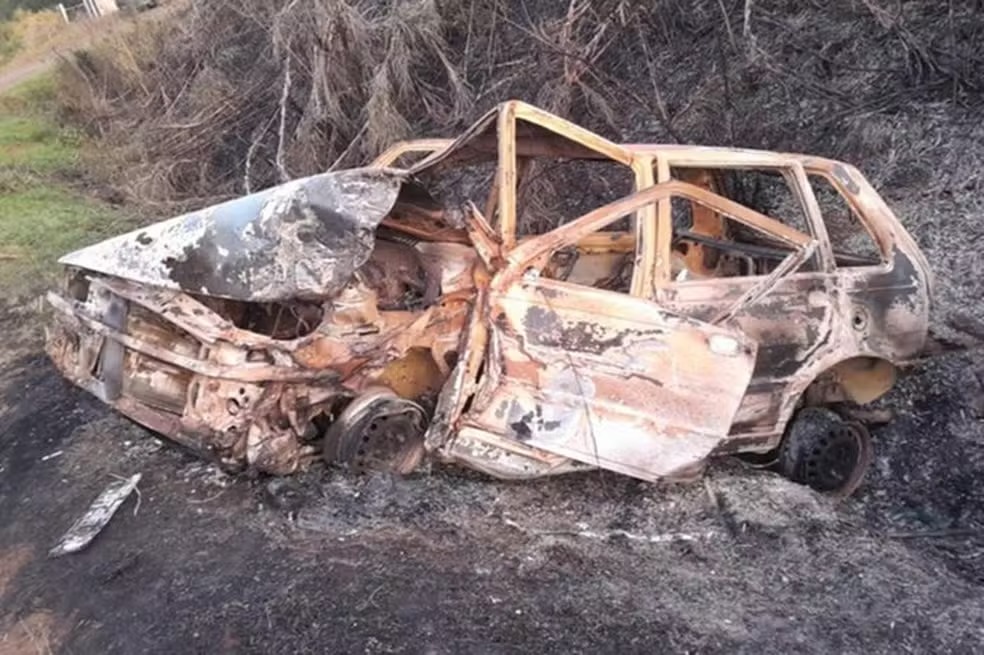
<point x="645" y="350"/>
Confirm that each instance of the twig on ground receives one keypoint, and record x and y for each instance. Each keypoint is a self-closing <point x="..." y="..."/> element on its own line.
<point x="719" y="507"/>
<point x="257" y="139"/>
<point x="935" y="534"/>
<point x="46" y="650"/>
<point x="136" y="490"/>
<point x="285" y="93"/>
<point x="727" y="25"/>
<point x="746" y="28"/>
<point x="658" y="538"/>
<point x="351" y="146"/>
<point x="215" y="496"/>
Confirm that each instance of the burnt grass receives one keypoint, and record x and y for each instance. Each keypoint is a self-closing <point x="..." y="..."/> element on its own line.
<point x="448" y="561"/>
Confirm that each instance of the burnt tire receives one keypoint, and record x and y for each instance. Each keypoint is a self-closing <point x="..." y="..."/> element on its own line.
<point x="825" y="452"/>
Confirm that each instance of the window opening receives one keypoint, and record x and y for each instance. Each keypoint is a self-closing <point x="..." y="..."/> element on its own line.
<point x="599" y="261"/>
<point x="853" y="243"/>
<point x="707" y="244"/>
<point x="553" y="192"/>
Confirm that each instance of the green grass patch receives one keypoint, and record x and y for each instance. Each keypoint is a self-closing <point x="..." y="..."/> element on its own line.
<point x="40" y="223"/>
<point x="31" y="143"/>
<point x="32" y="96"/>
<point x="41" y="216"/>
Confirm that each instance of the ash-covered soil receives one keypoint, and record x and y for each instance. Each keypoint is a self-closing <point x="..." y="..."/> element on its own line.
<point x="451" y="562"/>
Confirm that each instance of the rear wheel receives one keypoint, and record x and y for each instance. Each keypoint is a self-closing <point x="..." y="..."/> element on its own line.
<point x="825" y="452"/>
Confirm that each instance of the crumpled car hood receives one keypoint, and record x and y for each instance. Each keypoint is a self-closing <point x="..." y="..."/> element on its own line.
<point x="301" y="239"/>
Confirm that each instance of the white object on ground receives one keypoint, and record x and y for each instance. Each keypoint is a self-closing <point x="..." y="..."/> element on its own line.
<point x="90" y="524"/>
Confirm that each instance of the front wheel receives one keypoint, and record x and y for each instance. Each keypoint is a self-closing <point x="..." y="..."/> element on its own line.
<point x="377" y="431"/>
<point x="825" y="452"/>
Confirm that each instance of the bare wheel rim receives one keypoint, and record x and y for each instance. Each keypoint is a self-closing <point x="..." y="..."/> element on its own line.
<point x="377" y="431"/>
<point x="837" y="462"/>
<point x="388" y="440"/>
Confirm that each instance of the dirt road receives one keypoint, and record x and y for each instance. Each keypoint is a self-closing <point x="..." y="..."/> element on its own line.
<point x="11" y="77"/>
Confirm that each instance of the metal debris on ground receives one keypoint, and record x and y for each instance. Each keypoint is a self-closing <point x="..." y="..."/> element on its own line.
<point x="90" y="524"/>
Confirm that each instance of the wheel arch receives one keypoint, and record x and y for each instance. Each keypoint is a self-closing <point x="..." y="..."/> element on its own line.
<point x="860" y="378"/>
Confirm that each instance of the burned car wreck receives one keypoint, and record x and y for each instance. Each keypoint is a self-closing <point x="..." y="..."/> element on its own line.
<point x="683" y="303"/>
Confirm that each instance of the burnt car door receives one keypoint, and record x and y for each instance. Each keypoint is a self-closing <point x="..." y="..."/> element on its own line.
<point x="720" y="260"/>
<point x="607" y="378"/>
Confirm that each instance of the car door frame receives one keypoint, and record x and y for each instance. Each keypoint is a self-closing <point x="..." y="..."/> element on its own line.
<point x="521" y="274"/>
<point x="762" y="416"/>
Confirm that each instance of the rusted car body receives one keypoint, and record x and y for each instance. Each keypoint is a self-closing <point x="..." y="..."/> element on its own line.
<point x="416" y="310"/>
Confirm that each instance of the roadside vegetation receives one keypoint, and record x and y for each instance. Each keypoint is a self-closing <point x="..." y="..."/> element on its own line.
<point x="45" y="209"/>
<point x="35" y="40"/>
<point x="226" y="96"/>
<point x="27" y="32"/>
